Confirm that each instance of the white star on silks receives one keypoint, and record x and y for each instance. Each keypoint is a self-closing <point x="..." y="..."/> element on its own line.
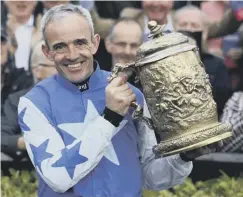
<point x="76" y="129"/>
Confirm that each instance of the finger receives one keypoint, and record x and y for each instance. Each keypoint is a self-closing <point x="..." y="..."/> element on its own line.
<point x="127" y="93"/>
<point x="122" y="88"/>
<point x="131" y="98"/>
<point x="117" y="82"/>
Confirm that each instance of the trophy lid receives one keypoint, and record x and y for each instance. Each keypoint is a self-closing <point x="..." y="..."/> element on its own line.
<point x="161" y="45"/>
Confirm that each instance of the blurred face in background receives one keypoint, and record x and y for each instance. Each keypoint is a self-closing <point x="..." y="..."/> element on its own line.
<point x="50" y="4"/>
<point x="189" y="20"/>
<point x="124" y="42"/>
<point x="42" y="67"/>
<point x="21" y="10"/>
<point x="157" y="10"/>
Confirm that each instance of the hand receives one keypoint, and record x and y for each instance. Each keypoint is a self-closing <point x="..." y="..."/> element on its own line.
<point x="21" y="144"/>
<point x="193" y="154"/>
<point x="119" y="96"/>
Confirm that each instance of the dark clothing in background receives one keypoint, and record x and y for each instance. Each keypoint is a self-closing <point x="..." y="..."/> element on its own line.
<point x="219" y="79"/>
<point x="13" y="79"/>
<point x="112" y="9"/>
<point x="179" y="4"/>
<point x="10" y="130"/>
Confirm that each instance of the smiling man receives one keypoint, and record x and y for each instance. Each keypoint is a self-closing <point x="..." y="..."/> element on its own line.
<point x="78" y="129"/>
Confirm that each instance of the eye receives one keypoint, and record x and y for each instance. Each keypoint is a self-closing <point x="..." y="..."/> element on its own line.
<point x="80" y="42"/>
<point x="58" y="47"/>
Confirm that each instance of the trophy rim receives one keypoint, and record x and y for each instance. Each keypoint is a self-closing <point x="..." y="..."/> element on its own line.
<point x="199" y="144"/>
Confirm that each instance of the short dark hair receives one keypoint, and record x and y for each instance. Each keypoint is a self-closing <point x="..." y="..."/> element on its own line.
<point x="122" y="20"/>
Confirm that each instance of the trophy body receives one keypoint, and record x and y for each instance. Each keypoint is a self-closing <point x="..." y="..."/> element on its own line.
<point x="178" y="93"/>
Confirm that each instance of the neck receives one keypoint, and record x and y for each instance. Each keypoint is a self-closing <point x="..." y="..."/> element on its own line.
<point x="113" y="63"/>
<point x="163" y="21"/>
<point x="23" y="20"/>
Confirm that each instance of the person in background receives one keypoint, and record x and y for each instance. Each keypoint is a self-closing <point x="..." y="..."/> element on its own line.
<point x="12" y="79"/>
<point x="190" y="19"/>
<point x="123" y="41"/>
<point x="159" y="11"/>
<point x="233" y="114"/>
<point x="21" y="24"/>
<point x="231" y="23"/>
<point x="12" y="140"/>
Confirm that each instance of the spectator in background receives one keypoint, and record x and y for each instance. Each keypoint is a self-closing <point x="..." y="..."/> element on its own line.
<point x="122" y="43"/>
<point x="152" y="10"/>
<point x="12" y="141"/>
<point x="233" y="114"/>
<point x="12" y="79"/>
<point x="214" y="11"/>
<point x="190" y="19"/>
<point x="230" y="23"/>
<point x="20" y="23"/>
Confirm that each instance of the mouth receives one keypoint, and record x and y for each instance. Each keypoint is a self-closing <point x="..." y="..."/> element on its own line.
<point x="74" y="67"/>
<point x="155" y="10"/>
<point x="21" y="7"/>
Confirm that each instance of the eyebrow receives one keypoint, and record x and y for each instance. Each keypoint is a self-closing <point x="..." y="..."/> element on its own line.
<point x="47" y="65"/>
<point x="59" y="43"/>
<point x="84" y="40"/>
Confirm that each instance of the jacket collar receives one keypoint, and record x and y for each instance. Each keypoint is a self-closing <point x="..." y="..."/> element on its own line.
<point x="96" y="80"/>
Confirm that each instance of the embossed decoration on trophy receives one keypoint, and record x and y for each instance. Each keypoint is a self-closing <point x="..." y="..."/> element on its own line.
<point x="177" y="91"/>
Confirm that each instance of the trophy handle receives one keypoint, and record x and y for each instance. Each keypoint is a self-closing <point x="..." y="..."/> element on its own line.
<point x="138" y="113"/>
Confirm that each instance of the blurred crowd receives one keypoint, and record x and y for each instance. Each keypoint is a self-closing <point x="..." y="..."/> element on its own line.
<point x="215" y="26"/>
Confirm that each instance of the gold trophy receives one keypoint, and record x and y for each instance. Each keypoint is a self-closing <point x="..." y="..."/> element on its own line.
<point x="177" y="91"/>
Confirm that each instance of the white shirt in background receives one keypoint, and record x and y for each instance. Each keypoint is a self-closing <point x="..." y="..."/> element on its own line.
<point x="23" y="36"/>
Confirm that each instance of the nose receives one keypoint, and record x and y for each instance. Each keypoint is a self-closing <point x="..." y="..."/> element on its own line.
<point x="73" y="53"/>
<point x="128" y="49"/>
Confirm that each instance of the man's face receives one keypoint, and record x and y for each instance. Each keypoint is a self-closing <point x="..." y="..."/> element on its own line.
<point x="71" y="47"/>
<point x="190" y="20"/>
<point x="50" y="4"/>
<point x="21" y="9"/>
<point x="157" y="10"/>
<point x="42" y="67"/>
<point x="4" y="51"/>
<point x="123" y="45"/>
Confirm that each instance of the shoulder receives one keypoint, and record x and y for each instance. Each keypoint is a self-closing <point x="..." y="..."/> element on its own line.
<point x="40" y="93"/>
<point x="235" y="102"/>
<point x="213" y="61"/>
<point x="212" y="57"/>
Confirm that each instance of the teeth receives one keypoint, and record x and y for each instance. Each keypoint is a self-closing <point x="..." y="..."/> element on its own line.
<point x="74" y="65"/>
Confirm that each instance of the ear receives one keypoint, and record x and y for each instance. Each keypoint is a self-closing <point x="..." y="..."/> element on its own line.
<point x="96" y="43"/>
<point x="108" y="44"/>
<point x="47" y="52"/>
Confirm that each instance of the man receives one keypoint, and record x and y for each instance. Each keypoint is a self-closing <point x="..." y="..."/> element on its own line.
<point x="20" y="24"/>
<point x="190" y="19"/>
<point x="158" y="11"/>
<point x="123" y="41"/>
<point x="78" y="129"/>
<point x="12" y="140"/>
